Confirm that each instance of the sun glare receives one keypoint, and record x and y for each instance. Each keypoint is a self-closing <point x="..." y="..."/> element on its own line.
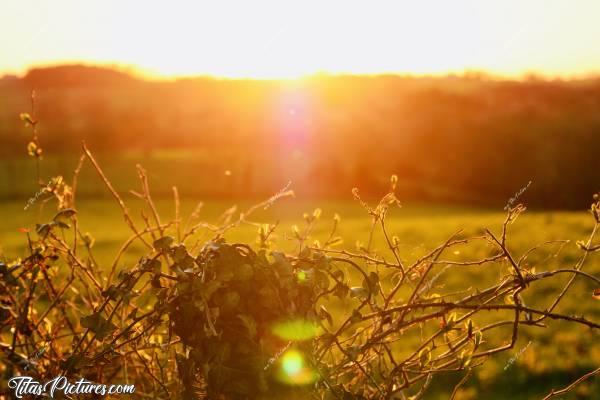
<point x="289" y="39"/>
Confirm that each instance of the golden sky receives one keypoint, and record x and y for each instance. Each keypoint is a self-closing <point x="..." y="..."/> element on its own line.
<point x="280" y="39"/>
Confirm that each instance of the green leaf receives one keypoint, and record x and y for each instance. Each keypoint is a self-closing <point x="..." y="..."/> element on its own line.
<point x="341" y="290"/>
<point x="324" y="314"/>
<point x="111" y="292"/>
<point x="99" y="325"/>
<point x="470" y="328"/>
<point x="283" y="266"/>
<point x="465" y="358"/>
<point x="338" y="274"/>
<point x="322" y="279"/>
<point x="44" y="229"/>
<point x="371" y="283"/>
<point x="187" y="264"/>
<point x="91" y="321"/>
<point x="373" y="277"/>
<point x="323" y="263"/>
<point x="71" y="364"/>
<point x="163" y="244"/>
<point x="62" y="225"/>
<point x="179" y="252"/>
<point x="356" y="317"/>
<point x="64" y="215"/>
<point x="150" y="265"/>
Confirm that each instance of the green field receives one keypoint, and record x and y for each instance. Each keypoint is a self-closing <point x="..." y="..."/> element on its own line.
<point x="418" y="226"/>
<point x="554" y="357"/>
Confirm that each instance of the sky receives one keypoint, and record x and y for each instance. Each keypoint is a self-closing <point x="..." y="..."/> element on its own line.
<point x="286" y="39"/>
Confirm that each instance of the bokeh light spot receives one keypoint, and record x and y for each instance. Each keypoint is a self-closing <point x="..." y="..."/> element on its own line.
<point x="294" y="369"/>
<point x="301" y="275"/>
<point x="292" y="363"/>
<point x="296" y="330"/>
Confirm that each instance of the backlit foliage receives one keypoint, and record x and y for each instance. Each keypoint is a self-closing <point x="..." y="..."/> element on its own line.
<point x="210" y="319"/>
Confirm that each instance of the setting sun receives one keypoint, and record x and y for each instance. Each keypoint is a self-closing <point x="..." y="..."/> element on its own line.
<point x="283" y="39"/>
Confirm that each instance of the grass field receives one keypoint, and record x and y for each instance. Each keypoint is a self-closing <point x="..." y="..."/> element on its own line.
<point x="538" y="365"/>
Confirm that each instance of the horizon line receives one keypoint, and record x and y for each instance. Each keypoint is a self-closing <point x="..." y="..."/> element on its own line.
<point x="146" y="74"/>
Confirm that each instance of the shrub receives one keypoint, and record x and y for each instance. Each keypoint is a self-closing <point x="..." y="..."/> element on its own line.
<point x="232" y="321"/>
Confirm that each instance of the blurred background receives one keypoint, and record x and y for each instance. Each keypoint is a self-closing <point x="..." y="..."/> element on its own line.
<point x="464" y="139"/>
<point x="467" y="102"/>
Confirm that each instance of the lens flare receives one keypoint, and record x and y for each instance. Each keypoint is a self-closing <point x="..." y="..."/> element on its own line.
<point x="293" y="369"/>
<point x="292" y="363"/>
<point x="301" y="275"/>
<point x="296" y="330"/>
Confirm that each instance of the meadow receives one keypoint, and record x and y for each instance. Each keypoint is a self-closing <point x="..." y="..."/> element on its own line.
<point x="542" y="359"/>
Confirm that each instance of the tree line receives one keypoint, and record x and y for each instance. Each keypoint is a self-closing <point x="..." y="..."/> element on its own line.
<point x="466" y="139"/>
